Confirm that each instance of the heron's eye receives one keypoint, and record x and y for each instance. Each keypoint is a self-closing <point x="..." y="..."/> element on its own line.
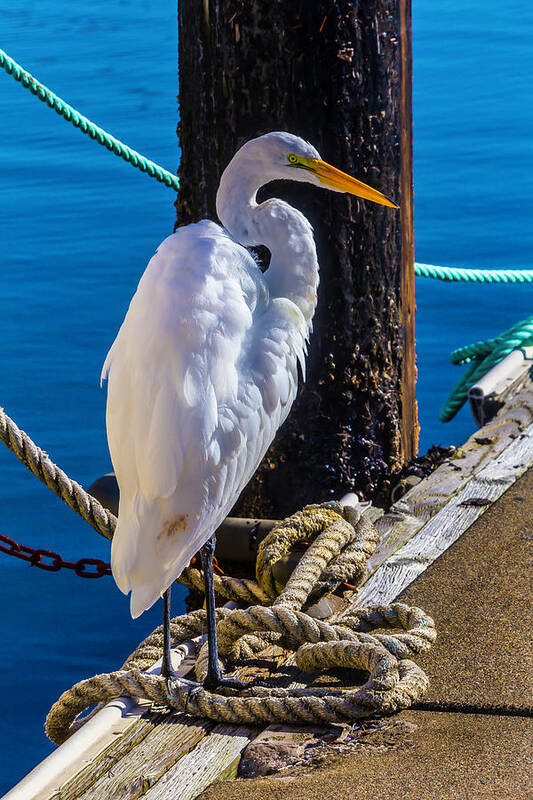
<point x="292" y="158"/>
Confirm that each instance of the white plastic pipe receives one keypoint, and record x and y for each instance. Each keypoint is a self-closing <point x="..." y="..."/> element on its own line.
<point x="497" y="380"/>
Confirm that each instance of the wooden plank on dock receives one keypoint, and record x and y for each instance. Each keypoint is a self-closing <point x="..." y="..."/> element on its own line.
<point x="122" y="744"/>
<point x="208" y="761"/>
<point x="446" y="526"/>
<point x="126" y="771"/>
<point x="409" y="514"/>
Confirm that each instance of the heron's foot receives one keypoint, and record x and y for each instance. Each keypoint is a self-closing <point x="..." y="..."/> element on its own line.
<point x="191" y="687"/>
<point x="214" y="682"/>
<point x="185" y="683"/>
<point x="194" y="688"/>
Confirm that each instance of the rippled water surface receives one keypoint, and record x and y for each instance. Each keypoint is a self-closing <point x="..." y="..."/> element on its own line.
<point x="78" y="227"/>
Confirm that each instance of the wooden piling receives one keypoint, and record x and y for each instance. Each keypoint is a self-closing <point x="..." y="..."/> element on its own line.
<point x="339" y="75"/>
<point x="409" y="414"/>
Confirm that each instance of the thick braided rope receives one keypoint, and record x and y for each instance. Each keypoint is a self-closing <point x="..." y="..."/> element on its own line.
<point x="393" y="685"/>
<point x="85" y="125"/>
<point x="394" y="682"/>
<point x="348" y="564"/>
<point x="38" y="462"/>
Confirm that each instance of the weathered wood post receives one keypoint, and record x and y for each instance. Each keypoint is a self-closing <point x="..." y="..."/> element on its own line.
<point x="338" y="73"/>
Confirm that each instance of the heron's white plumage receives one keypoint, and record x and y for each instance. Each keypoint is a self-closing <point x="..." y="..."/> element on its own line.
<point x="204" y="370"/>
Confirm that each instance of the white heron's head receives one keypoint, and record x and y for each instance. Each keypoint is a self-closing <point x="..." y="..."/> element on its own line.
<point x="284" y="156"/>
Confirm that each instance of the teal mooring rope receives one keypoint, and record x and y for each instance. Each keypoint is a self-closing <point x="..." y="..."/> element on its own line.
<point x="481" y="356"/>
<point x="474" y="275"/>
<point x="85" y="125"/>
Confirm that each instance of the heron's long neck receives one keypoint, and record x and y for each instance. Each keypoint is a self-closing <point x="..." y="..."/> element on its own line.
<point x="293" y="270"/>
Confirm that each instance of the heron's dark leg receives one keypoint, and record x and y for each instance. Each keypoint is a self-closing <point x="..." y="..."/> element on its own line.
<point x="214" y="676"/>
<point x="166" y="666"/>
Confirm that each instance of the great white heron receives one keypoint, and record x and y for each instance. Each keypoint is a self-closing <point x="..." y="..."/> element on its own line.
<point x="204" y="370"/>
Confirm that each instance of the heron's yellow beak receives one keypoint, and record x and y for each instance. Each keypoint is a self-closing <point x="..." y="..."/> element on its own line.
<point x="335" y="179"/>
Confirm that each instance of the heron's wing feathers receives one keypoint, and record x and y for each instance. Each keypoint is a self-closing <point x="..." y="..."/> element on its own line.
<point x="201" y="375"/>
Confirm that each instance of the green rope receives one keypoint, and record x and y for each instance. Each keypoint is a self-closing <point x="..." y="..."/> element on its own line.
<point x="474" y="275"/>
<point x="85" y="125"/>
<point x="481" y="358"/>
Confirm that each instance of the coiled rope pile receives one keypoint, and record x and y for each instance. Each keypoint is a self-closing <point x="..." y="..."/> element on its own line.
<point x="342" y="539"/>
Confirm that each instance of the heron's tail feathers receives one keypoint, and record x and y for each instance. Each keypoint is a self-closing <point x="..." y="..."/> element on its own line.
<point x="140" y="562"/>
<point x="143" y="597"/>
<point x="147" y="586"/>
<point x="124" y="547"/>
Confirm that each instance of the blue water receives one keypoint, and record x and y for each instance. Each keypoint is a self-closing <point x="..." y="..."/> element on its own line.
<point x="78" y="227"/>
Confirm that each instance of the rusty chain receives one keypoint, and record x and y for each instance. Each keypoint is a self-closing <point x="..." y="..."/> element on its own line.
<point x="54" y="561"/>
<point x="35" y="556"/>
